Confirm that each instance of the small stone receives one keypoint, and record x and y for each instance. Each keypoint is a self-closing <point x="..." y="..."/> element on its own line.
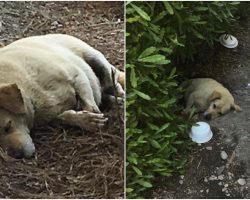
<point x="226" y="185"/>
<point x="223" y="155"/>
<point x="55" y="23"/>
<point x="209" y="148"/>
<point x="241" y="181"/>
<point x="220" y="183"/>
<point x="212" y="178"/>
<point x="220" y="170"/>
<point x="224" y="189"/>
<point x="201" y="191"/>
<point x="182" y="176"/>
<point x="205" y="180"/>
<point x="227" y="194"/>
<point x="181" y="182"/>
<point x="207" y="190"/>
<point x="221" y="177"/>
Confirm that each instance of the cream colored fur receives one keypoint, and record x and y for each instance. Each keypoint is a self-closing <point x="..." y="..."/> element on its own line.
<point x="45" y="75"/>
<point x="209" y="97"/>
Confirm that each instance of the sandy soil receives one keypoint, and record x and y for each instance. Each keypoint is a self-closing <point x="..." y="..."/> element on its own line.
<point x="69" y="163"/>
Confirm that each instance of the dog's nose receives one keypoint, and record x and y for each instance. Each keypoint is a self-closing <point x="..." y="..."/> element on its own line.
<point x="28" y="151"/>
<point x="208" y="116"/>
<point x="16" y="153"/>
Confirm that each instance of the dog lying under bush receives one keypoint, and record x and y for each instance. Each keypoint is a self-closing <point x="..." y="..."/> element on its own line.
<point x="49" y="78"/>
<point x="209" y="97"/>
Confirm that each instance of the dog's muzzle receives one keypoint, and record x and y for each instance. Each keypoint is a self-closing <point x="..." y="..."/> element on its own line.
<point x="27" y="151"/>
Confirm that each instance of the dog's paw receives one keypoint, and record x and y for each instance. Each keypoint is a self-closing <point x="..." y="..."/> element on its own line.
<point x="90" y="121"/>
<point x="92" y="108"/>
<point x="120" y="90"/>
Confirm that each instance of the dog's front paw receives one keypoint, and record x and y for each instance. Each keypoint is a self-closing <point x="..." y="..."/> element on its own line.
<point x="92" y="108"/>
<point x="90" y="121"/>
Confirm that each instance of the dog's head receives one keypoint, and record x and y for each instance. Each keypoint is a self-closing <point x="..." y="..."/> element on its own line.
<point x="219" y="105"/>
<point x="14" y="133"/>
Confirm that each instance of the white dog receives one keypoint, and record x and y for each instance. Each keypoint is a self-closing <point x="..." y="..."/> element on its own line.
<point x="42" y="79"/>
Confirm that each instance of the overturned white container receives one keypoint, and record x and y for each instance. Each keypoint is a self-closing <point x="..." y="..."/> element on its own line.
<point x="228" y="41"/>
<point x="201" y="132"/>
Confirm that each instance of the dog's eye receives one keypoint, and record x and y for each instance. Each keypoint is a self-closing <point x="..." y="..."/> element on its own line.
<point x="7" y="127"/>
<point x="214" y="106"/>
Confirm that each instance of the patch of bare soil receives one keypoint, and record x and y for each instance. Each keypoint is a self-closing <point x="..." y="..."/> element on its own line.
<point x="208" y="175"/>
<point x="69" y="162"/>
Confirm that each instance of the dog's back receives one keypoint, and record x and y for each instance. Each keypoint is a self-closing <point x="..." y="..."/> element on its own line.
<point x="204" y="86"/>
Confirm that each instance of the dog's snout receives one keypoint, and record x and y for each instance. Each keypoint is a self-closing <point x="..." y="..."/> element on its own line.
<point x="28" y="151"/>
<point x="208" y="116"/>
<point x="16" y="153"/>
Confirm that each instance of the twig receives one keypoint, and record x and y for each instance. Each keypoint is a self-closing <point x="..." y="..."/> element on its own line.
<point x="28" y="26"/>
<point x="199" y="163"/>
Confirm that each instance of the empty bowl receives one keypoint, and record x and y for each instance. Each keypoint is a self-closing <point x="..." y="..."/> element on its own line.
<point x="201" y="132"/>
<point x="228" y="41"/>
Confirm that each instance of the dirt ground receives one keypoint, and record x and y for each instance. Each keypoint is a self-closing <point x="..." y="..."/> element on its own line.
<point x="69" y="162"/>
<point x="208" y="175"/>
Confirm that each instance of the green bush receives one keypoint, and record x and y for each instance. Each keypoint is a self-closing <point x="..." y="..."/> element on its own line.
<point x="157" y="34"/>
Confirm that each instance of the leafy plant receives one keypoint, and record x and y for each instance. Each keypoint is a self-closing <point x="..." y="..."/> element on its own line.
<point x="157" y="34"/>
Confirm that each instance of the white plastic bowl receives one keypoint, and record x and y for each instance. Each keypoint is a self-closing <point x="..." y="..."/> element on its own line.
<point x="228" y="41"/>
<point x="201" y="132"/>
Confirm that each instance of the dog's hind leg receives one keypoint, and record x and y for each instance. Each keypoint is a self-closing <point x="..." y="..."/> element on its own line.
<point x="103" y="69"/>
<point x="89" y="99"/>
<point x="84" y="119"/>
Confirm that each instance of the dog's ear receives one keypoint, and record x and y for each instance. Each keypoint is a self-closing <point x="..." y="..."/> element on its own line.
<point x="236" y="107"/>
<point x="214" y="95"/>
<point x="11" y="98"/>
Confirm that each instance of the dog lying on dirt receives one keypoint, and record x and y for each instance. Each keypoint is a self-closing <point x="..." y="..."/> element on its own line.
<point x="49" y="78"/>
<point x="209" y="97"/>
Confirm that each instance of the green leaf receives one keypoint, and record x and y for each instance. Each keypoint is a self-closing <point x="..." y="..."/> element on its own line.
<point x="133" y="79"/>
<point x="132" y="159"/>
<point x="143" y="14"/>
<point x="130" y="66"/>
<point x="147" y="52"/>
<point x="178" y="142"/>
<point x="198" y="35"/>
<point x="168" y="7"/>
<point x="128" y="190"/>
<point x="142" y="95"/>
<point x="194" y="18"/>
<point x="167" y="50"/>
<point x="153" y="127"/>
<point x="155" y="144"/>
<point x="201" y="8"/>
<point x="152" y="59"/>
<point x="133" y="19"/>
<point x="165" y="126"/>
<point x="137" y="170"/>
<point x="144" y="183"/>
<point x="172" y="73"/>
